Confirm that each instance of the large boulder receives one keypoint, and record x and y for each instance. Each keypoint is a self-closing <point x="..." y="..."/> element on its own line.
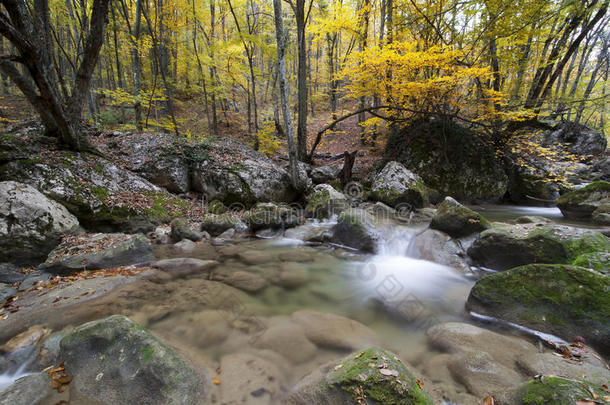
<point x="505" y="246"/>
<point x="115" y="361"/>
<point x="234" y="173"/>
<point x="103" y="196"/>
<point x="450" y="158"/>
<point x="601" y="215"/>
<point x="160" y="158"/>
<point x="31" y="225"/>
<point x="99" y="251"/>
<point x="564" y="300"/>
<point x="355" y="228"/>
<point x="438" y="247"/>
<point x="456" y="220"/>
<point x="325" y="201"/>
<point x="576" y="138"/>
<point x="396" y="185"/>
<point x="581" y="203"/>
<point x="366" y="377"/>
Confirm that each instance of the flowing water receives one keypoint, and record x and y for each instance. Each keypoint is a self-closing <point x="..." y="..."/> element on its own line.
<point x="394" y="293"/>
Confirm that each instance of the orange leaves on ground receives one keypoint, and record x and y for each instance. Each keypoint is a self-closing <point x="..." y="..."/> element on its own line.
<point x="59" y="379"/>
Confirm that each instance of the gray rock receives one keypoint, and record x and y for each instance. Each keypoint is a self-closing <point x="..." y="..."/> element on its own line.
<point x="396" y="185"/>
<point x="258" y="378"/>
<point x="284" y="338"/>
<point x="581" y="203"/>
<point x="325" y="201"/>
<point x="180" y="229"/>
<point x="10" y="274"/>
<point x="456" y="220"/>
<point x="116" y="361"/>
<point x="355" y="229"/>
<point x="31" y="225"/>
<point x="324" y="174"/>
<point x="270" y="215"/>
<point x="30" y="390"/>
<point x="159" y="158"/>
<point x="245" y="281"/>
<point x="217" y="224"/>
<point x="99" y="251"/>
<point x="240" y="175"/>
<point x="578" y="139"/>
<point x="34" y="278"/>
<point x="438" y="247"/>
<point x="6" y="291"/>
<point x="226" y="235"/>
<point x="184" y="246"/>
<point x="94" y="190"/>
<point x="309" y="233"/>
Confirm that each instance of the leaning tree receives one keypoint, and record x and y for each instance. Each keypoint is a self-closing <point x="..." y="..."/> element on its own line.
<point x="57" y="99"/>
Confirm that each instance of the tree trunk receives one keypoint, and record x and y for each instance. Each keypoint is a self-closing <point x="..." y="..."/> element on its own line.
<point x="301" y="81"/>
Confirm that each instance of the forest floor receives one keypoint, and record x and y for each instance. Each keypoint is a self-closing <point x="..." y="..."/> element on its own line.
<point x="192" y="120"/>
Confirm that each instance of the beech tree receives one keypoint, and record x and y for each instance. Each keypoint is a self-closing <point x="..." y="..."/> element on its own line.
<point x="58" y="99"/>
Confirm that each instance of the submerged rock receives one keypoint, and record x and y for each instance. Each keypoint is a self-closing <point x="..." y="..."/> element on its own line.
<point x="325" y="202"/>
<point x="115" y="361"/>
<point x="506" y="246"/>
<point x="563" y="300"/>
<point x="369" y="376"/>
<point x="333" y="331"/>
<point x="581" y="203"/>
<point x="396" y="185"/>
<point x="99" y="251"/>
<point x="355" y="229"/>
<point x="456" y="220"/>
<point x="31" y="225"/>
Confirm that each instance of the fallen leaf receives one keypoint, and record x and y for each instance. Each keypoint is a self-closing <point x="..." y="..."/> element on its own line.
<point x="385" y="371"/>
<point x="216" y="380"/>
<point x="420" y="384"/>
<point x="489" y="400"/>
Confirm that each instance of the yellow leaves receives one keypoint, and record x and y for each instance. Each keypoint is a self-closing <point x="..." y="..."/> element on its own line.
<point x="267" y="141"/>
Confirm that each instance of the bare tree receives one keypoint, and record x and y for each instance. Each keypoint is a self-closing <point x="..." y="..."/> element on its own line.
<point x="28" y="28"/>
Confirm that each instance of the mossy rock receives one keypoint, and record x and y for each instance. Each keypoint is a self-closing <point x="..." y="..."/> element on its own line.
<point x="581" y="203"/>
<point x="599" y="261"/>
<point x="217" y="224"/>
<point x="270" y="215"/>
<point x="506" y="246"/>
<point x="553" y="390"/>
<point x="564" y="300"/>
<point x="355" y="228"/>
<point x="372" y="376"/>
<point x="116" y="361"/>
<point x="601" y="215"/>
<point x="457" y="220"/>
<point x="325" y="202"/>
<point x="450" y="158"/>
<point x="396" y="185"/>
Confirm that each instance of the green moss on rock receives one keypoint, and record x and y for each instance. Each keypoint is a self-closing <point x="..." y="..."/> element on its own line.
<point x="556" y="391"/>
<point x="583" y="202"/>
<point x="457" y="220"/>
<point x="563" y="300"/>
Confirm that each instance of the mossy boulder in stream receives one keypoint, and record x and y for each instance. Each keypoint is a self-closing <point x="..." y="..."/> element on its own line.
<point x="505" y="246"/>
<point x="217" y="224"/>
<point x="553" y="390"/>
<point x="456" y="220"/>
<point x="115" y="361"/>
<point x="372" y="376"/>
<point x="271" y="215"/>
<point x="395" y="185"/>
<point x="325" y="201"/>
<point x="355" y="228"/>
<point x="563" y="300"/>
<point x="581" y="203"/>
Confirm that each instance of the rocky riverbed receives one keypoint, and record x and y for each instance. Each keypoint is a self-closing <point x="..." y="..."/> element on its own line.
<point x="182" y="273"/>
